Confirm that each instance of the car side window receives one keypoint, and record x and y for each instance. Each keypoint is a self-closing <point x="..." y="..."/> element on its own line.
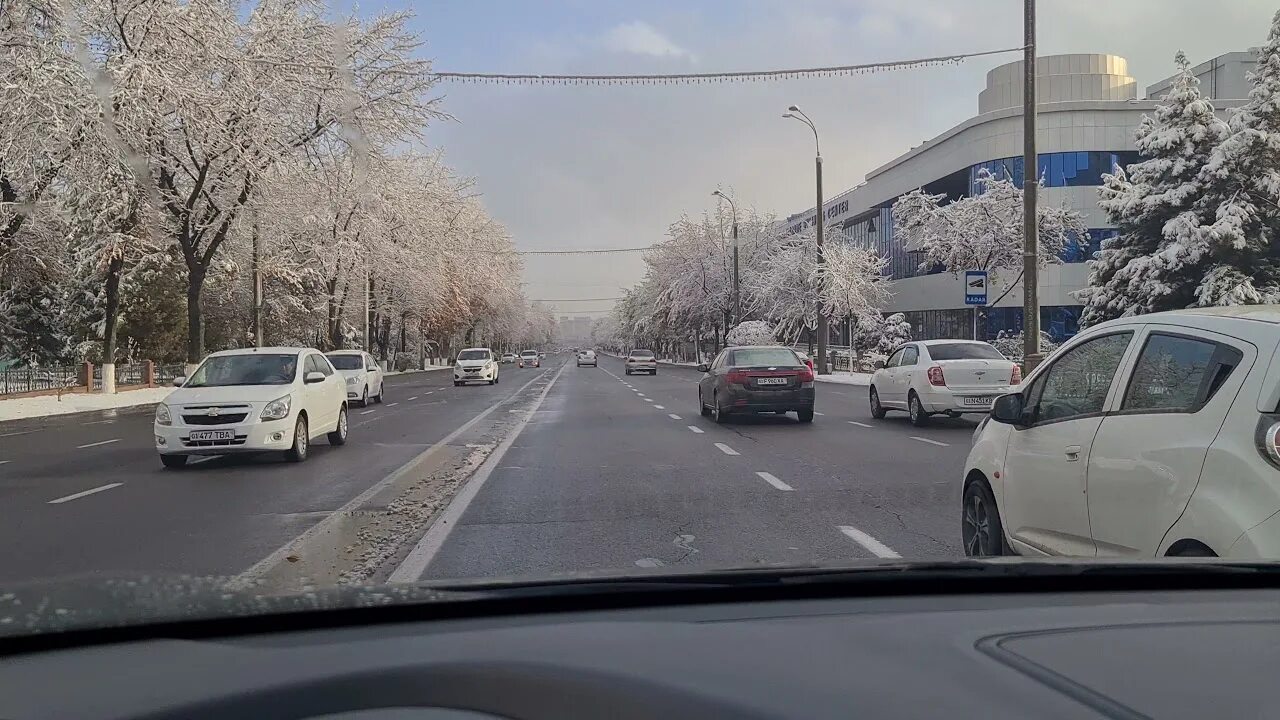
<point x="370" y="363"/>
<point x="909" y="355"/>
<point x="317" y="363"/>
<point x="893" y="359"/>
<point x="720" y="360"/>
<point x="309" y="365"/>
<point x="1176" y="373"/>
<point x="1077" y="383"/>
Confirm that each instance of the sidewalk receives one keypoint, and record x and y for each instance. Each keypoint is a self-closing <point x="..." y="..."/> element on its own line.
<point x="45" y="405"/>
<point x="845" y="378"/>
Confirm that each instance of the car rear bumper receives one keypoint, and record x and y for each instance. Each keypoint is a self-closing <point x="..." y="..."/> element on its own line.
<point x="739" y="399"/>
<point x="968" y="400"/>
<point x="647" y="367"/>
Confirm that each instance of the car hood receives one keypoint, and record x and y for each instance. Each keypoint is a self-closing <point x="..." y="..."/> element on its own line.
<point x="472" y="363"/>
<point x="227" y="394"/>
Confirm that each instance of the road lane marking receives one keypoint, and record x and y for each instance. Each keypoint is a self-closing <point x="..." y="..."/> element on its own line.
<point x="78" y="495"/>
<point x="696" y="429"/>
<point x="648" y="400"/>
<point x="931" y="442"/>
<point x="873" y="545"/>
<point x="5" y="462"/>
<point x="392" y="404"/>
<point x="415" y="397"/>
<point x="428" y="392"/>
<point x="659" y="407"/>
<point x="859" y="424"/>
<point x="726" y="449"/>
<point x="366" y="412"/>
<point x="673" y="416"/>
<point x="815" y="412"/>
<point x="416" y="562"/>
<point x="20" y="432"/>
<point x="99" y="422"/>
<point x="102" y="442"/>
<point x="774" y="481"/>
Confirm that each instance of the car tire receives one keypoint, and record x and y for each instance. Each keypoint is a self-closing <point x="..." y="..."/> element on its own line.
<point x="655" y="372"/>
<point x="339" y="434"/>
<point x="497" y="378"/>
<point x="382" y="390"/>
<point x="627" y="371"/>
<point x="981" y="532"/>
<point x="877" y="410"/>
<point x="806" y="416"/>
<point x="493" y="381"/>
<point x="364" y="397"/>
<point x="702" y="406"/>
<point x="457" y="383"/>
<point x="173" y="462"/>
<point x="919" y="417"/>
<point x="718" y="416"/>
<point x="301" y="442"/>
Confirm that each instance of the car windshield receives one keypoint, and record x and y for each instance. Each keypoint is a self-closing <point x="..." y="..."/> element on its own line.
<point x="964" y="351"/>
<point x="347" y="362"/>
<point x="254" y="369"/>
<point x="750" y="357"/>
<point x="815" y="212"/>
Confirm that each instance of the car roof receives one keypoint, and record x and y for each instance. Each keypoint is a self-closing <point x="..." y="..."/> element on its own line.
<point x="345" y="352"/>
<point x="466" y="349"/>
<point x="944" y="341"/>
<point x="528" y="352"/>
<point x="264" y="351"/>
<point x="758" y="347"/>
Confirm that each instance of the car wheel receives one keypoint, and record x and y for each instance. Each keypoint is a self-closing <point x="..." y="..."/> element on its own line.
<point x="627" y="371"/>
<point x="717" y="415"/>
<point x="980" y="530"/>
<point x="919" y="417"/>
<point x="301" y="442"/>
<point x="364" y="397"/>
<point x="173" y="461"/>
<point x="877" y="410"/>
<point x="655" y="372"/>
<point x="382" y="390"/>
<point x="702" y="406"/>
<point x="339" y="434"/>
<point x="806" y="416"/>
<point x="457" y="383"/>
<point x="497" y="378"/>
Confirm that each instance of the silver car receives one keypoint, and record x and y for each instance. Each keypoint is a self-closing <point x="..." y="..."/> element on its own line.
<point x="587" y="357"/>
<point x="641" y="361"/>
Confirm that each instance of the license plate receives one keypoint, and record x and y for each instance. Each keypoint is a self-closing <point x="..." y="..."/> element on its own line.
<point x="977" y="400"/>
<point x="213" y="435"/>
<point x="771" y="381"/>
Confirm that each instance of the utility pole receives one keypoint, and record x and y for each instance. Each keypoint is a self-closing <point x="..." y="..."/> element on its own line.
<point x="798" y="114"/>
<point x="737" y="287"/>
<point x="1030" y="194"/>
<point x="368" y="289"/>
<point x="257" y="283"/>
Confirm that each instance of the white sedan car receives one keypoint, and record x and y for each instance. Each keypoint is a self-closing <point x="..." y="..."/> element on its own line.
<point x="362" y="373"/>
<point x="1148" y="436"/>
<point x="475" y="364"/>
<point x="252" y="400"/>
<point x="949" y="377"/>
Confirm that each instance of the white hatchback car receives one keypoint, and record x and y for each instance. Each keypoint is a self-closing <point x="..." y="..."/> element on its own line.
<point x="948" y="377"/>
<point x="475" y="364"/>
<point x="1146" y="436"/>
<point x="587" y="357"/>
<point x="252" y="400"/>
<point x="362" y="373"/>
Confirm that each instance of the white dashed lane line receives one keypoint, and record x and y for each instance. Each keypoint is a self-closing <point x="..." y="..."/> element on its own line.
<point x="415" y="397"/>
<point x="20" y="432"/>
<point x="366" y="412"/>
<point x="931" y="442"/>
<point x="859" y="424"/>
<point x="726" y="449"/>
<point x="648" y="400"/>
<point x="101" y="442"/>
<point x="696" y="429"/>
<point x="78" y="495"/>
<point x="774" y="481"/>
<point x="659" y="407"/>
<point x="815" y="412"/>
<point x="392" y="404"/>
<point x="873" y="545"/>
<point x="5" y="462"/>
<point x="673" y="416"/>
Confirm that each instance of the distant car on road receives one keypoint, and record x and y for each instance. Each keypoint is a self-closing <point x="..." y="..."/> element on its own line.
<point x="510" y="357"/>
<point x="475" y="364"/>
<point x="641" y="361"/>
<point x="529" y="358"/>
<point x="948" y="377"/>
<point x="587" y="357"/>
<point x="252" y="400"/>
<point x="764" y="378"/>
<point x="362" y="373"/>
<point x="1170" y="421"/>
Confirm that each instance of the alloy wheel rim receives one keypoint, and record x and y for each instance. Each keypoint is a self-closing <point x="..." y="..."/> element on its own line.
<point x="915" y="408"/>
<point x="342" y="423"/>
<point x="875" y="400"/>
<point x="978" y="527"/>
<point x="301" y="440"/>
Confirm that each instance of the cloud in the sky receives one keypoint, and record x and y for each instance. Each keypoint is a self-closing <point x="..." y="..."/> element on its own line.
<point x="640" y="38"/>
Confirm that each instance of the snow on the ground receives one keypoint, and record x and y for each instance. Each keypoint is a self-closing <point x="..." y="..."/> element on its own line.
<point x="429" y="368"/>
<point x="845" y="378"/>
<point x="42" y="405"/>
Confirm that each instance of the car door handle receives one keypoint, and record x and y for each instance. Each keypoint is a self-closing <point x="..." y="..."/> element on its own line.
<point x="1073" y="453"/>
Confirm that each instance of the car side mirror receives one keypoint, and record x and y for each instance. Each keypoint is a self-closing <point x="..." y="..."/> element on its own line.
<point x="704" y="368"/>
<point x="1008" y="409"/>
<point x="314" y="376"/>
<point x="179" y="381"/>
<point x="878" y="365"/>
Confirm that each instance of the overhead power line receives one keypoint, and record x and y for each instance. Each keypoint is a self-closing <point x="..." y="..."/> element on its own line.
<point x="582" y="252"/>
<point x="717" y="77"/>
<point x="578" y="300"/>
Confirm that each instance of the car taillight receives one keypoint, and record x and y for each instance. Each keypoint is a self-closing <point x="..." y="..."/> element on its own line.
<point x="808" y="363"/>
<point x="806" y="376"/>
<point x="935" y="376"/>
<point x="1016" y="377"/>
<point x="736" y="377"/>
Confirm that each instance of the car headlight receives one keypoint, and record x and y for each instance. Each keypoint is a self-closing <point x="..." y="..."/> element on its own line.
<point x="162" y="415"/>
<point x="353" y="380"/>
<point x="277" y="409"/>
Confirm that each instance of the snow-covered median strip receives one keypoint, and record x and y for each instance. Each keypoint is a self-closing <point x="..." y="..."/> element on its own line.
<point x="428" y="368"/>
<point x="863" y="379"/>
<point x="43" y="405"/>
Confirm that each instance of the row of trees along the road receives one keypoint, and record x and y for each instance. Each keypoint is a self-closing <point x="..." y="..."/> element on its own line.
<point x="147" y="147"/>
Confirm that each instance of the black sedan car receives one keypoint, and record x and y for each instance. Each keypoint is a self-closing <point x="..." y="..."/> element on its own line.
<point x="755" y="379"/>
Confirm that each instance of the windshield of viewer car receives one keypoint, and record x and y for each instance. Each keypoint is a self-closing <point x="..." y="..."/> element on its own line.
<point x="225" y="370"/>
<point x="964" y="351"/>
<point x="473" y="355"/>
<point x="763" y="356"/>
<point x="347" y="362"/>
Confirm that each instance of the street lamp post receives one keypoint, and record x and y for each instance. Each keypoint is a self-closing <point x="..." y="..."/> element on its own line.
<point x="797" y="114"/>
<point x="737" y="287"/>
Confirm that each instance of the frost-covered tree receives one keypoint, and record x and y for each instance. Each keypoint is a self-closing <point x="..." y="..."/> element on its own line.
<point x="1011" y="344"/>
<point x="751" y="332"/>
<point x="881" y="335"/>
<point x="1144" y="267"/>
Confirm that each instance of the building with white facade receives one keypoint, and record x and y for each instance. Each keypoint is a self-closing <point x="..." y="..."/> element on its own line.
<point x="1088" y="109"/>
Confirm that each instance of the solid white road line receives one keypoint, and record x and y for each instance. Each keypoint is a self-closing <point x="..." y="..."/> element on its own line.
<point x="876" y="547"/>
<point x="416" y="562"/>
<point x="392" y="404"/>
<point x="726" y="449"/>
<point x="659" y="407"/>
<point x="75" y="496"/>
<point x="99" y="422"/>
<point x="931" y="442"/>
<point x="247" y="578"/>
<point x="859" y="424"/>
<point x="366" y="412"/>
<point x="103" y="442"/>
<point x="774" y="481"/>
<point x="673" y="416"/>
<point x="696" y="429"/>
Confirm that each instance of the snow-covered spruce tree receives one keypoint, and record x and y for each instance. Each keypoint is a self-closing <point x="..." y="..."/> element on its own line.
<point x="1140" y="270"/>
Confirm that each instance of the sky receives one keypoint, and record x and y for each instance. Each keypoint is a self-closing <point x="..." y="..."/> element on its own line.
<point x="613" y="167"/>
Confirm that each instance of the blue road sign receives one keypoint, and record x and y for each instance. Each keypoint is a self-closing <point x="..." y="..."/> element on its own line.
<point x="975" y="287"/>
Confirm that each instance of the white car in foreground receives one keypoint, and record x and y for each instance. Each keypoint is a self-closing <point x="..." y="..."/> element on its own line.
<point x="252" y="400"/>
<point x="948" y="377"/>
<point x="1142" y="437"/>
<point x="475" y="364"/>
<point x="362" y="373"/>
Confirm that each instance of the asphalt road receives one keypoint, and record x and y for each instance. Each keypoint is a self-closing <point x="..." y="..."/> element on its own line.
<point x="609" y="473"/>
<point x="615" y="472"/>
<point x="218" y="516"/>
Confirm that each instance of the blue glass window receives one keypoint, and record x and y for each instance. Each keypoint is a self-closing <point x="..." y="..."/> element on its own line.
<point x="1067" y="169"/>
